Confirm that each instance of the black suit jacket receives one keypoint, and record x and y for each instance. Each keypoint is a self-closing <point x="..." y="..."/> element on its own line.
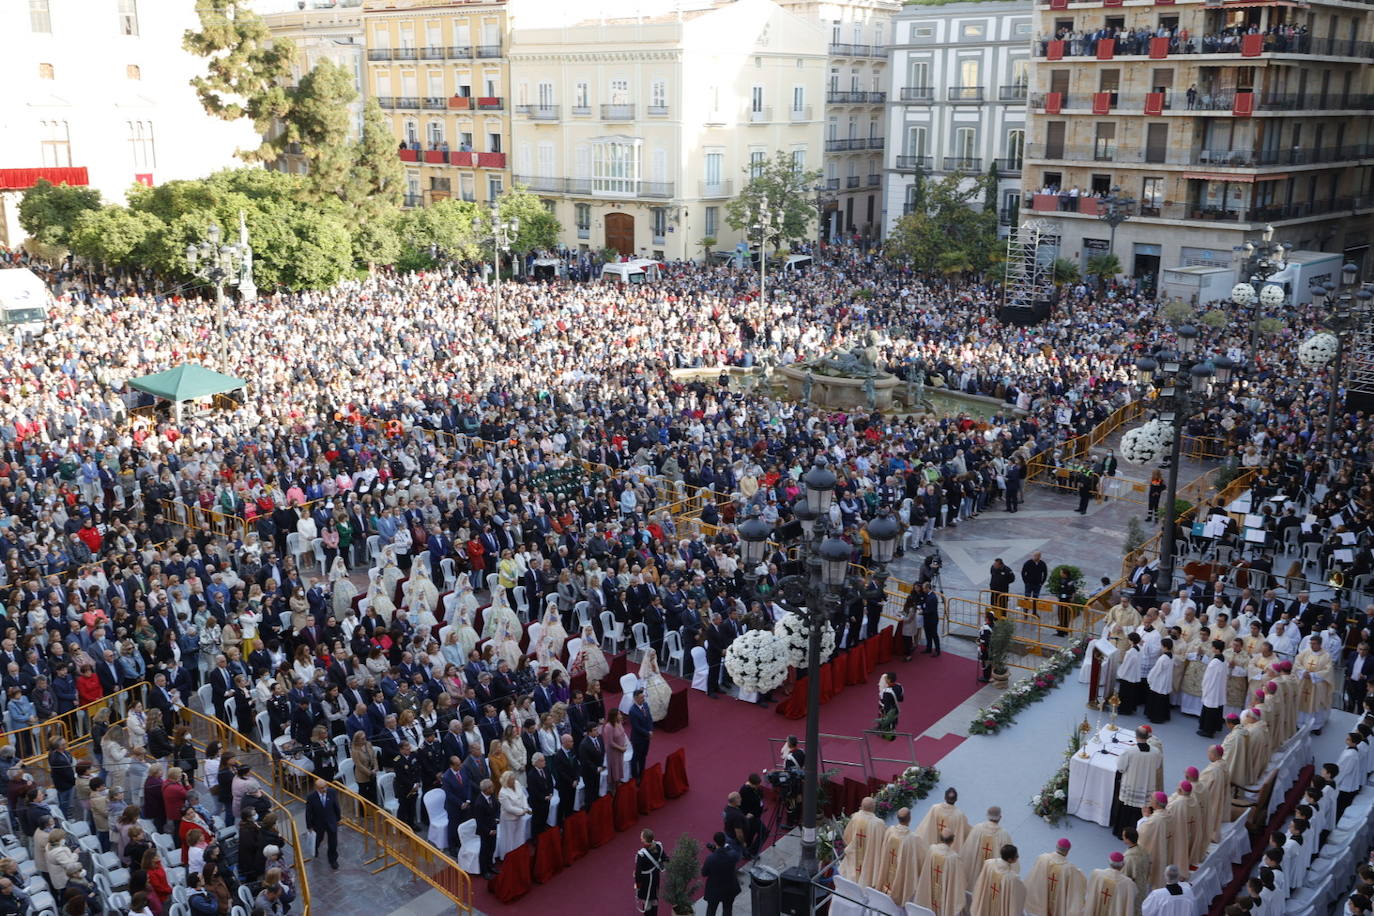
<point x="322" y="814"/>
<point x="722" y="881"/>
<point x="564" y="766"/>
<point x="540" y="787"/>
<point x="592" y="755"/>
<point x="486" y="810"/>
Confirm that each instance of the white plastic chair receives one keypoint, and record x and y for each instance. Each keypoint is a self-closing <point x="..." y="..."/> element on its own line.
<point x="700" y="670"/>
<point x="374" y="549"/>
<point x="628" y="684"/>
<point x="882" y="903"/>
<point x="422" y="559"/>
<point x="536" y="632"/>
<point x="522" y="604"/>
<point x="849" y="898"/>
<point x="492" y="582"/>
<point x="341" y="748"/>
<point x="317" y="545"/>
<point x="574" y="646"/>
<point x="672" y="645"/>
<point x="580" y="611"/>
<point x="346" y="776"/>
<point x="295" y="548"/>
<point x="386" y="791"/>
<point x="449" y="569"/>
<point x="612" y="631"/>
<point x="641" y="635"/>
<point x="206" y="694"/>
<point x="468" y="859"/>
<point x="915" y="909"/>
<point x="264" y="726"/>
<point x="438" y="821"/>
<point x="444" y="631"/>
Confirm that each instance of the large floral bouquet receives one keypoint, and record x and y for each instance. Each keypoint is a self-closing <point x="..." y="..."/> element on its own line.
<point x="913" y="785"/>
<point x="757" y="661"/>
<point x="1053" y="801"/>
<point x="795" y="632"/>
<point x="1028" y="690"/>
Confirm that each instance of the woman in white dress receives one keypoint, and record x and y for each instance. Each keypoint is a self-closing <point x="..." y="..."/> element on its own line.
<point x="465" y="600"/>
<point x="421" y="597"/>
<point x="546" y="658"/>
<point x="467" y="636"/>
<point x="391" y="573"/>
<point x="508" y="647"/>
<point x="499" y="616"/>
<point x="515" y="806"/>
<point x="554" y="633"/>
<point x="590" y="658"/>
<point x="656" y="689"/>
<point x="380" y="598"/>
<point x="342" y="588"/>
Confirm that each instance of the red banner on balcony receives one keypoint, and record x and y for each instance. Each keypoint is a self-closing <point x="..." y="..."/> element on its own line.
<point x="23" y="179"/>
<point x="490" y="102"/>
<point x="1251" y="45"/>
<point x="410" y="155"/>
<point x="1159" y="48"/>
<point x="1044" y="202"/>
<point x="144" y="178"/>
<point x="1088" y="205"/>
<point x="491" y="160"/>
<point x="1054" y="102"/>
<point x="1055" y="51"/>
<point x="1059" y="4"/>
<point x="1113" y="2"/>
<point x="1106" y="48"/>
<point x="1154" y="103"/>
<point x="1102" y="103"/>
<point x="460" y="103"/>
<point x="1244" y="105"/>
<point x="1164" y="2"/>
<point x="436" y="156"/>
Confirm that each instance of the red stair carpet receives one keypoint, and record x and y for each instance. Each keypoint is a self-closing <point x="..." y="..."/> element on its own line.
<point x="726" y="740"/>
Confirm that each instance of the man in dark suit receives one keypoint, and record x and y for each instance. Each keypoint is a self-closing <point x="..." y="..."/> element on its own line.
<point x="487" y="811"/>
<point x="591" y="754"/>
<point x="716" y="641"/>
<point x="107" y="669"/>
<point x="641" y="730"/>
<point x="564" y="765"/>
<point x="1357" y="678"/>
<point x="543" y="694"/>
<point x="722" y="880"/>
<point x="221" y="682"/>
<point x="457" y="799"/>
<point x="539" y="786"/>
<point x="475" y="767"/>
<point x="160" y="697"/>
<point x="322" y="816"/>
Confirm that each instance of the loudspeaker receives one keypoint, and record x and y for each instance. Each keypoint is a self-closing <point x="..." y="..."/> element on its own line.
<point x="798" y="893"/>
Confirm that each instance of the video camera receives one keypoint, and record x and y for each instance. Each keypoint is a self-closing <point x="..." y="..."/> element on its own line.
<point x="786" y="782"/>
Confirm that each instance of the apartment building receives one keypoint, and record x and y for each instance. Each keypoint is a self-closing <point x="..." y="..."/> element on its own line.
<point x="438" y="69"/>
<point x="97" y="93"/>
<point x="956" y="103"/>
<point x="1217" y="119"/>
<point x="323" y="32"/>
<point x="638" y="131"/>
<point x="855" y="109"/>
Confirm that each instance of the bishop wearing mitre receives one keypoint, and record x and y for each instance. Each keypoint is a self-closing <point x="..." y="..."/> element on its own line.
<point x="1259" y="747"/>
<point x="983" y="843"/>
<point x="1188" y="844"/>
<point x="999" y="890"/>
<point x="1055" y="886"/>
<point x="943" y="818"/>
<point x="1314" y="675"/>
<point x="1156" y="835"/>
<point x="1110" y="891"/>
<point x="1236" y="747"/>
<point x="942" y="887"/>
<point x="1213" y="793"/>
<point x="900" y="865"/>
<point x="863" y="845"/>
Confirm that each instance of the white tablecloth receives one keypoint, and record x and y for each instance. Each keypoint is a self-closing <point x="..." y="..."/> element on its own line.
<point x="1092" y="781"/>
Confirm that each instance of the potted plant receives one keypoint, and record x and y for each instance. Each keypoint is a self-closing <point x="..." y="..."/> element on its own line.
<point x="1064" y="583"/>
<point x="1003" y="632"/>
<point x="682" y="875"/>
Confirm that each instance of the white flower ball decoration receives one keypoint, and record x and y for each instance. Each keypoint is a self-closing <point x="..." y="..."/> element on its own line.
<point x="1242" y="294"/>
<point x="793" y="630"/>
<point x="1318" y="350"/>
<point x="1140" y="446"/>
<point x="757" y="661"/>
<point x="1271" y="296"/>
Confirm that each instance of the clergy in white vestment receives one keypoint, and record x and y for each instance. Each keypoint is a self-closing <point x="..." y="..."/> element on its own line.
<point x="1150" y="637"/>
<point x="1190" y="840"/>
<point x="899" y="869"/>
<point x="1350" y="777"/>
<point x="1212" y="788"/>
<point x="1138" y="866"/>
<point x="984" y="842"/>
<point x="1297" y="852"/>
<point x="1175" y="898"/>
<point x="1160" y="681"/>
<point x="863" y="845"/>
<point x="1138" y="768"/>
<point x="1130" y="676"/>
<point x="1055" y="886"/>
<point x="1110" y="891"/>
<point x="1236" y="746"/>
<point x="944" y="817"/>
<point x="1283" y="636"/>
<point x="1156" y="835"/>
<point x="1179" y="606"/>
<point x="1314" y="667"/>
<point x="1264" y="900"/>
<point x="999" y="890"/>
<point x="942" y="887"/>
<point x="1214" y="682"/>
<point x="1273" y="861"/>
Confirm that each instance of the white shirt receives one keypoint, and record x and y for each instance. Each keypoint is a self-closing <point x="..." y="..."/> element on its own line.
<point x="1161" y="676"/>
<point x="1214" y="683"/>
<point x="1352" y="771"/>
<point x="1160" y="902"/>
<point x="1130" y="666"/>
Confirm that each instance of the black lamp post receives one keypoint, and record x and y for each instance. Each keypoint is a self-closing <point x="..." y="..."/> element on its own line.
<point x="1349" y="306"/>
<point x="812" y="594"/>
<point x="219" y="264"/>
<point x="1115" y="209"/>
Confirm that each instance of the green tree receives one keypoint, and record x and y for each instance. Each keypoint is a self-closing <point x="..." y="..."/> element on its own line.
<point x="48" y="211"/>
<point x="318" y="120"/>
<point x="114" y="236"/>
<point x="445" y="227"/>
<point x="1103" y="267"/>
<point x="247" y="70"/>
<point x="782" y="194"/>
<point x="539" y="229"/>
<point x="1063" y="271"/>
<point x="945" y="232"/>
<point x="377" y="167"/>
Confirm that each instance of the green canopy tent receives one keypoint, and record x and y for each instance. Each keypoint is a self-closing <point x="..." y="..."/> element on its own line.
<point x="186" y="383"/>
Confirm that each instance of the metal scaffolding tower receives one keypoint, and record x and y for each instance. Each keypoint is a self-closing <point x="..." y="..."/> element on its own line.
<point x="1030" y="255"/>
<point x="1359" y="374"/>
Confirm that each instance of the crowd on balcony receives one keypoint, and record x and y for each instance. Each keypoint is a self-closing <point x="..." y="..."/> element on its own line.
<point x="434" y="452"/>
<point x="1136" y="41"/>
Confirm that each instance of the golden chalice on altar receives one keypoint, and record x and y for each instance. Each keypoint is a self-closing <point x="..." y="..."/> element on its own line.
<point x="1084" y="730"/>
<point x="1113" y="701"/>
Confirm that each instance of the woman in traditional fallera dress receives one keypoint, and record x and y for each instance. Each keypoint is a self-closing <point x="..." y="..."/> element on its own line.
<point x="656" y="689"/>
<point x="499" y="616"/>
<point x="590" y="658"/>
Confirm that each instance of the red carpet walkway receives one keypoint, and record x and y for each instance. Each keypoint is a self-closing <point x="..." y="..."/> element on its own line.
<point x="725" y="742"/>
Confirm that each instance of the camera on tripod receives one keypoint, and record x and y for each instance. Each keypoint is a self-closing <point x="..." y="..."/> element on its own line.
<point x="785" y="781"/>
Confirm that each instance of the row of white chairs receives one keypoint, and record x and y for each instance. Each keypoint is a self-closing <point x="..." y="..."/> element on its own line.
<point x="850" y="899"/>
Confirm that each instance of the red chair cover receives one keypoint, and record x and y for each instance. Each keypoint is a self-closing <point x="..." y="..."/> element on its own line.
<point x="651" y="789"/>
<point x="548" y="856"/>
<point x="626" y="806"/>
<point x="858" y="665"/>
<point x="578" y="682"/>
<point x="882" y="647"/>
<point x="602" y="826"/>
<point x="828" y="681"/>
<point x="794" y="707"/>
<point x="677" y="717"/>
<point x="675" y="774"/>
<point x="575" y="843"/>
<point x="618" y="666"/>
<point x="515" y="880"/>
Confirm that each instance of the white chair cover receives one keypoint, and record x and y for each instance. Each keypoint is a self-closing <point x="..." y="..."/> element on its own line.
<point x="438" y="819"/>
<point x="849" y="899"/>
<point x="699" y="668"/>
<point x="468" y="849"/>
<point x="507" y="839"/>
<point x="628" y="683"/>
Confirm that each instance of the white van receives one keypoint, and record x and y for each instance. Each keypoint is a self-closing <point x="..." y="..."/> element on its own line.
<point x="797" y="264"/>
<point x="549" y="269"/>
<point x="639" y="270"/>
<point x="24" y="301"/>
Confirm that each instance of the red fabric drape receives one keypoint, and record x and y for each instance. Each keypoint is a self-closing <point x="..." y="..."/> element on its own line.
<point x="675" y="774"/>
<point x="678" y="716"/>
<point x="618" y="668"/>
<point x="575" y="844"/>
<point x="827" y="681"/>
<point x="515" y="880"/>
<point x="794" y="707"/>
<point x="548" y="856"/>
<point x="626" y="806"/>
<point x="651" y="789"/>
<point x="578" y="682"/>
<point x="882" y="646"/>
<point x="853" y="792"/>
<point x="602" y="826"/>
<point x="858" y="665"/>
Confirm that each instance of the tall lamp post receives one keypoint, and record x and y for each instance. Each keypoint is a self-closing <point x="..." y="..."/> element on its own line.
<point x="765" y="220"/>
<point x="1184" y="381"/>
<point x="1263" y="259"/>
<point x="1115" y="209"/>
<point x="1349" y="306"/>
<point x="812" y="595"/>
<point x="220" y="264"/>
<point x="502" y="233"/>
<point x="823" y="201"/>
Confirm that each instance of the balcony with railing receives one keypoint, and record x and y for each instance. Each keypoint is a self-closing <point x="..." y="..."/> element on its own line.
<point x="1216" y="158"/>
<point x="590" y="187"/>
<point x="414" y="200"/>
<point x="435" y="103"/>
<point x="1199" y="211"/>
<point x="841" y="49"/>
<point x="921" y="95"/>
<point x="1007" y="216"/>
<point x="1013" y="93"/>
<point x="540" y="183"/>
<point x="913" y="163"/>
<point x="432" y="53"/>
<point x="800" y="114"/>
<point x="1212" y="43"/>
<point x="621" y="111"/>
<point x="488" y="51"/>
<point x="854" y="97"/>
<point x="580" y="111"/>
<point x="490" y="103"/>
<point x="657" y="111"/>
<point x="842" y="144"/>
<point x="478" y="160"/>
<point x="379" y="54"/>
<point x="1009" y="166"/>
<point x="405" y="54"/>
<point x="762" y="115"/>
<point x="874" y="180"/>
<point x="831" y="184"/>
<point x="965" y="93"/>
<point x="459" y="52"/>
<point x="963" y="164"/>
<point x="714" y="189"/>
<point x="540" y="112"/>
<point x="852" y="181"/>
<point x="876" y="142"/>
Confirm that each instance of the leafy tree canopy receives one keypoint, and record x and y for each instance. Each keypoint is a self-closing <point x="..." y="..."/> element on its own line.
<point x="945" y="232"/>
<point x="49" y="212"/>
<point x="781" y="195"/>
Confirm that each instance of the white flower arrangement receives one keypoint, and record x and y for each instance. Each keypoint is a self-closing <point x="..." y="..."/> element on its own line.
<point x="1271" y="295"/>
<point x="1242" y="294"/>
<point x="757" y="661"/>
<point x="1318" y="350"/>
<point x="794" y="630"/>
<point x="1147" y="443"/>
